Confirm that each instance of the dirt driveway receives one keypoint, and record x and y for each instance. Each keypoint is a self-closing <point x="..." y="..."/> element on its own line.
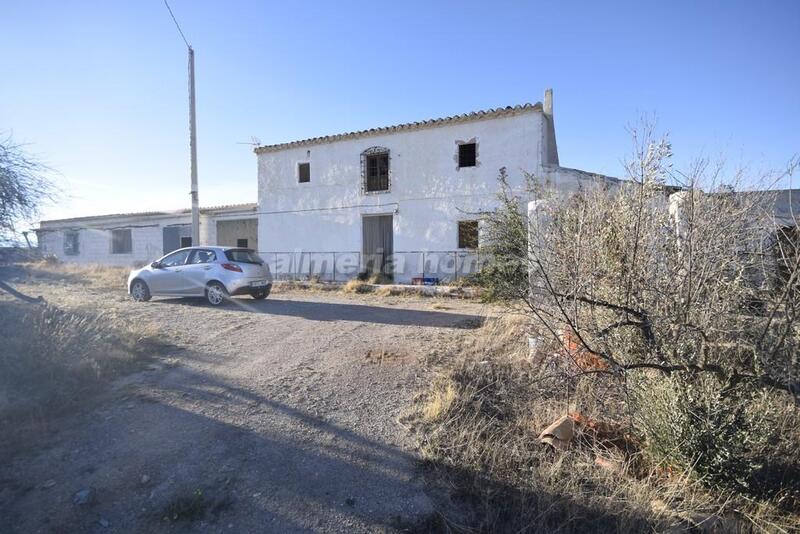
<point x="268" y="416"/>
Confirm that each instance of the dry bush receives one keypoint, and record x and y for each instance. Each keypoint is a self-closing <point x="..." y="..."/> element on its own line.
<point x="379" y="278"/>
<point x="696" y="292"/>
<point x="24" y="188"/>
<point x="282" y="286"/>
<point x="671" y="317"/>
<point x="478" y="425"/>
<point x="52" y="359"/>
<point x="389" y="291"/>
<point x="357" y="286"/>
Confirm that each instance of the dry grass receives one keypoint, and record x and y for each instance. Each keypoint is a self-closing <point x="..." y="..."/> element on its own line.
<point x="53" y="360"/>
<point x="285" y="286"/>
<point x="389" y="291"/>
<point x="478" y="425"/>
<point x="379" y="279"/>
<point x="91" y="275"/>
<point x="357" y="286"/>
<point x="378" y="287"/>
<point x="439" y="401"/>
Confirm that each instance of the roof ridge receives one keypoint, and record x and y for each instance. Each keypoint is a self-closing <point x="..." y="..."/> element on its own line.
<point x="416" y="125"/>
<point x="166" y="213"/>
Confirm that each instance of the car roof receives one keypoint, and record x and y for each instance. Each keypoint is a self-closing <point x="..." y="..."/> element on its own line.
<point x="212" y="247"/>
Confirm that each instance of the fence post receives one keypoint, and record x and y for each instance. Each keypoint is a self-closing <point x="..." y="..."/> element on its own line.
<point x="334" y="267"/>
<point x="455" y="266"/>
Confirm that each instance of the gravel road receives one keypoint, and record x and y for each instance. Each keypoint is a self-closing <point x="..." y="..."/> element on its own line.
<point x="277" y="415"/>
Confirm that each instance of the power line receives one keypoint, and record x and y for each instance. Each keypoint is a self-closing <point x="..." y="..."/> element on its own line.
<point x="176" y="24"/>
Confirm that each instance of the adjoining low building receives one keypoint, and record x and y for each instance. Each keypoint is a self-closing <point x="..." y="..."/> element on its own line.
<point x="137" y="238"/>
<point x="404" y="200"/>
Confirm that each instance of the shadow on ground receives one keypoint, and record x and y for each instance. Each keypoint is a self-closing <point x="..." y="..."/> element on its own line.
<point x="333" y="311"/>
<point x="246" y="462"/>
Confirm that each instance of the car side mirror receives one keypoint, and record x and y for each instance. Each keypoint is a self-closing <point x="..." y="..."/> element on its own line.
<point x="155" y="265"/>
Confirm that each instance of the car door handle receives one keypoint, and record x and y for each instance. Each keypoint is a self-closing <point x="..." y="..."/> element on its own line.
<point x="206" y="268"/>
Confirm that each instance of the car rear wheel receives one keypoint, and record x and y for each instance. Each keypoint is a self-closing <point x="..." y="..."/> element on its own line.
<point x="139" y="291"/>
<point x="216" y="294"/>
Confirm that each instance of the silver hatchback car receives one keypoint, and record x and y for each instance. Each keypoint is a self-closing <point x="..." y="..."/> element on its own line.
<point x="211" y="272"/>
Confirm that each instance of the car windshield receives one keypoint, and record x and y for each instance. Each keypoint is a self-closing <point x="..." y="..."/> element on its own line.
<point x="243" y="255"/>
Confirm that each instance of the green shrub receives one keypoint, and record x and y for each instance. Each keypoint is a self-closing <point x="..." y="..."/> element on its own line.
<point x="504" y="240"/>
<point x="730" y="437"/>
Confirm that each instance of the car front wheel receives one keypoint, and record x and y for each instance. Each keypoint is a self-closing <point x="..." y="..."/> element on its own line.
<point x="216" y="294"/>
<point x="139" y="291"/>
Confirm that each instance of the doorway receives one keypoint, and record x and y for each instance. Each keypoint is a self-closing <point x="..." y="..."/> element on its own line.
<point x="377" y="244"/>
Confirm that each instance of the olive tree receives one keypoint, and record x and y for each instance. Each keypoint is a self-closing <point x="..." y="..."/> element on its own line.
<point x="664" y="280"/>
<point x="24" y="187"/>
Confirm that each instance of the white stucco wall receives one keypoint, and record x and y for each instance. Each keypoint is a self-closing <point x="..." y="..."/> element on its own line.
<point x="428" y="193"/>
<point x="95" y="239"/>
<point x="147" y="235"/>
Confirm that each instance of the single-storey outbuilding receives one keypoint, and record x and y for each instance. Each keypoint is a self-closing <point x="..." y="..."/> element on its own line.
<point x="138" y="238"/>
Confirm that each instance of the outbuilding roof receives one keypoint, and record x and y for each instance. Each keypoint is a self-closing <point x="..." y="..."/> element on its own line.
<point x="419" y="125"/>
<point x="225" y="207"/>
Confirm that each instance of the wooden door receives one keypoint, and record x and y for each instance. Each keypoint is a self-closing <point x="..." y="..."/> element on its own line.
<point x="377" y="244"/>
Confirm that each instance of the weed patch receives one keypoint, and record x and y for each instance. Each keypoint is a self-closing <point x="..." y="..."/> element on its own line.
<point x="478" y="425"/>
<point x="52" y="360"/>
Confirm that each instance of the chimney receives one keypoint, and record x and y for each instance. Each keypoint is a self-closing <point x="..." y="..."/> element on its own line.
<point x="548" y="102"/>
<point x="550" y="149"/>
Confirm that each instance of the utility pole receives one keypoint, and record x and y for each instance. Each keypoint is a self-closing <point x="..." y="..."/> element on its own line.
<point x="193" y="149"/>
<point x="192" y="135"/>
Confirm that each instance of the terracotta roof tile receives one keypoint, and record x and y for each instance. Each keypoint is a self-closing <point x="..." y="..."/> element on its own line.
<point x="419" y="125"/>
<point x="245" y="206"/>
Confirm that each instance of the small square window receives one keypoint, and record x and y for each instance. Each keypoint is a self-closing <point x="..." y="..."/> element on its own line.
<point x="186" y="242"/>
<point x="121" y="241"/>
<point x="241" y="243"/>
<point x="71" y="243"/>
<point x="303" y="172"/>
<point x="467" y="153"/>
<point x="468" y="234"/>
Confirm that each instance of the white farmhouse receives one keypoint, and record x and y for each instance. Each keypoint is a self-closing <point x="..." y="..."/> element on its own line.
<point x="402" y="199"/>
<point x="138" y="238"/>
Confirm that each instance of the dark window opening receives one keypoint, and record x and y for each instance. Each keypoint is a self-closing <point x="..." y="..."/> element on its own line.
<point x="378" y="172"/>
<point x="467" y="153"/>
<point x="468" y="234"/>
<point x="241" y="243"/>
<point x="71" y="244"/>
<point x="121" y="242"/>
<point x="304" y="172"/>
<point x="186" y="242"/>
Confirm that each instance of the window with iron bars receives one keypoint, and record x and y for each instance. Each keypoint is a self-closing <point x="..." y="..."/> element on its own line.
<point x="375" y="170"/>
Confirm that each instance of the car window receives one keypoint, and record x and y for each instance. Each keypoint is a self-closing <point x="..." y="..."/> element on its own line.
<point x="202" y="256"/>
<point x="175" y="259"/>
<point x="243" y="255"/>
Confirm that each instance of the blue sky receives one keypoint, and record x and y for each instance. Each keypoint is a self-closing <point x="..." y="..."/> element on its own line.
<point x="99" y="90"/>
